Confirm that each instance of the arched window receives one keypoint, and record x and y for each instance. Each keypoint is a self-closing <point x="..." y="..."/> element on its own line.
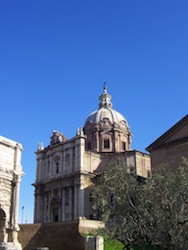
<point x="57" y="167"/>
<point x="2" y="225"/>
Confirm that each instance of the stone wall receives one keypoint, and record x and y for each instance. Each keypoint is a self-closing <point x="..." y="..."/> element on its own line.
<point x="89" y="226"/>
<point x="57" y="236"/>
<point x="170" y="154"/>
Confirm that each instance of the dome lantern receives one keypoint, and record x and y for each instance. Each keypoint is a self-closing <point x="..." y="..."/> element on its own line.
<point x="105" y="99"/>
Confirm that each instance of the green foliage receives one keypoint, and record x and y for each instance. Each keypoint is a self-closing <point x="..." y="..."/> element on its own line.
<point x="110" y="244"/>
<point x="152" y="212"/>
<point x="138" y="247"/>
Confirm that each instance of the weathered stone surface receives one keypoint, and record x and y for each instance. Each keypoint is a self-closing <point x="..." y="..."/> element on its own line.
<point x="42" y="248"/>
<point x="10" y="178"/>
<point x="55" y="236"/>
<point x="8" y="246"/>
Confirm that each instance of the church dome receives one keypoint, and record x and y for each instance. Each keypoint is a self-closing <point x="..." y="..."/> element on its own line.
<point x="105" y="111"/>
<point x="106" y="122"/>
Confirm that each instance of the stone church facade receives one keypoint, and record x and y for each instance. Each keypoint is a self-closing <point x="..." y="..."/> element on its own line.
<point x="10" y="178"/>
<point x="66" y="167"/>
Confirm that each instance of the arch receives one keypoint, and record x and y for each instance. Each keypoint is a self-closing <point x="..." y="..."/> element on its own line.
<point x="2" y="225"/>
<point x="55" y="208"/>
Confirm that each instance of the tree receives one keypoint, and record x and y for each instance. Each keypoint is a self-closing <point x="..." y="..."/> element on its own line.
<point x="151" y="211"/>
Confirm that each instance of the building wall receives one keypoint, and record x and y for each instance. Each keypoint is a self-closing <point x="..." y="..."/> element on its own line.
<point x="58" y="236"/>
<point x="55" y="236"/>
<point x="63" y="192"/>
<point x="60" y="182"/>
<point x="119" y="137"/>
<point x="10" y="178"/>
<point x="171" y="146"/>
<point x="143" y="164"/>
<point x="170" y="154"/>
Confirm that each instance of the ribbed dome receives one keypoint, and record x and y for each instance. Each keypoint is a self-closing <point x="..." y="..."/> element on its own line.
<point x="111" y="114"/>
<point x="105" y="111"/>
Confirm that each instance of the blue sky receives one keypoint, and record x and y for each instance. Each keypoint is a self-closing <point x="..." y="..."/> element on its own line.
<point x="55" y="56"/>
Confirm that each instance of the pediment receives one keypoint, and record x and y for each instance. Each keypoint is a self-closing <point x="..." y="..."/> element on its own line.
<point x="178" y="132"/>
<point x="55" y="200"/>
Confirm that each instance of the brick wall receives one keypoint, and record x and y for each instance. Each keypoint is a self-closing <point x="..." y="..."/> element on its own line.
<point x="55" y="236"/>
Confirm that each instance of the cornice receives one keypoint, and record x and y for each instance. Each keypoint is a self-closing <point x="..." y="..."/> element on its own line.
<point x="171" y="143"/>
<point x="156" y="143"/>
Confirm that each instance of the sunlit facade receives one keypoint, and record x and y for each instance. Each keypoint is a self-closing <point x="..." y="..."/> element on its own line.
<point x="66" y="167"/>
<point x="10" y="178"/>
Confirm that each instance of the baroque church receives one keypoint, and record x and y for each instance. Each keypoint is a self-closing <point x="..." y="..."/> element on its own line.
<point x="66" y="167"/>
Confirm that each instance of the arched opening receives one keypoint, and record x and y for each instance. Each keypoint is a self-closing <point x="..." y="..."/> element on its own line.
<point x="55" y="207"/>
<point x="2" y="225"/>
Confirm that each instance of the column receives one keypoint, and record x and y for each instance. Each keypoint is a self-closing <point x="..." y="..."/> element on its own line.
<point x="75" y="202"/>
<point x="96" y="141"/>
<point x="63" y="204"/>
<point x="81" y="200"/>
<point x="70" y="203"/>
<point x="15" y="205"/>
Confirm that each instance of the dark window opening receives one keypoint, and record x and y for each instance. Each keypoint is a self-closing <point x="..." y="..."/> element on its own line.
<point x="89" y="145"/>
<point x="123" y="146"/>
<point x="106" y="143"/>
<point x="55" y="215"/>
<point x="57" y="167"/>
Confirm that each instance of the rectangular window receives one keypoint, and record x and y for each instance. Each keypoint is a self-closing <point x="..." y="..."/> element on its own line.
<point x="123" y="146"/>
<point x="89" y="145"/>
<point x="57" y="167"/>
<point x="67" y="160"/>
<point x="55" y="215"/>
<point x="106" y="143"/>
<point x="48" y="164"/>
